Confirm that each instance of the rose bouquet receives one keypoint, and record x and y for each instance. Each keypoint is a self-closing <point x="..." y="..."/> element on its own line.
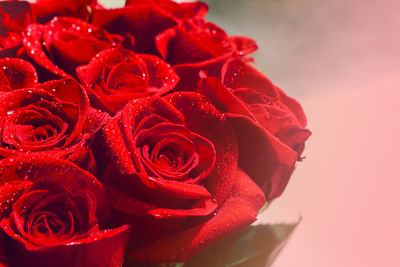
<point x="137" y="136"/>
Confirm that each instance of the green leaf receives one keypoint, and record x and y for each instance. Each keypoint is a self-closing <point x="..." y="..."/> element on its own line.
<point x="264" y="207"/>
<point x="256" y="246"/>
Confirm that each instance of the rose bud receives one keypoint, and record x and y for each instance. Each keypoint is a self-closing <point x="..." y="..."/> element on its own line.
<point x="196" y="45"/>
<point x="53" y="214"/>
<point x="115" y="76"/>
<point x="16" y="73"/>
<point x="65" y="43"/>
<point x="52" y="118"/>
<point x="170" y="167"/>
<point x="247" y="92"/>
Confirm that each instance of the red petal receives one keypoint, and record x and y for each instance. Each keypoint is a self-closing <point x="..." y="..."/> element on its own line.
<point x="281" y="115"/>
<point x="238" y="210"/>
<point x="19" y="73"/>
<point x="162" y="75"/>
<point x="14" y="16"/>
<point x="48" y="9"/>
<point x="244" y="45"/>
<point x="32" y="41"/>
<point x="9" y="193"/>
<point x="158" y="78"/>
<point x="142" y="22"/>
<point x="70" y="91"/>
<point x="184" y="10"/>
<point x="39" y="167"/>
<point x="262" y="156"/>
<point x="102" y="249"/>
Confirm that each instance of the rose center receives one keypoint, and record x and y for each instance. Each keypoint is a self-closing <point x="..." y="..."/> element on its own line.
<point x="128" y="76"/>
<point x="47" y="225"/>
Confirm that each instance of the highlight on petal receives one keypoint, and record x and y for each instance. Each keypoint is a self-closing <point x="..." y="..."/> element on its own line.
<point x="32" y="41"/>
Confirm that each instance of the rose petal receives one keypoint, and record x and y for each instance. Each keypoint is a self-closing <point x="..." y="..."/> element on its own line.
<point x="142" y="22"/>
<point x="70" y="91"/>
<point x="9" y="193"/>
<point x="194" y="47"/>
<point x="3" y="251"/>
<point x="183" y="10"/>
<point x="40" y="167"/>
<point x="238" y="210"/>
<point x="244" y="45"/>
<point x="15" y="16"/>
<point x="18" y="73"/>
<point x="135" y="207"/>
<point x="32" y="41"/>
<point x="156" y="78"/>
<point x="274" y="162"/>
<point x="161" y="75"/>
<point x="263" y="101"/>
<point x="103" y="249"/>
<point x="46" y="10"/>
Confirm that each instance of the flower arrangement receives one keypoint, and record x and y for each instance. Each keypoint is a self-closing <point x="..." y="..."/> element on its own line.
<point x="136" y="136"/>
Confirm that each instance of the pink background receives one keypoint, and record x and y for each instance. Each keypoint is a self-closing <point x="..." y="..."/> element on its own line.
<point x="341" y="60"/>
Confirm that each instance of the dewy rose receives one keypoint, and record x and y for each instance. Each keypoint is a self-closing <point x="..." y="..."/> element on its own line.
<point x="52" y="118"/>
<point x="53" y="214"/>
<point x="115" y="76"/>
<point x="170" y="166"/>
<point x="65" y="43"/>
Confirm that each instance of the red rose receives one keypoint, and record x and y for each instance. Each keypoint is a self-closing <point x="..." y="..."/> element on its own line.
<point x="196" y="45"/>
<point x="246" y="91"/>
<point x="183" y="10"/>
<point x="53" y="118"/>
<point x="66" y="43"/>
<point x="16" y="73"/>
<point x="46" y="10"/>
<point x="170" y="166"/>
<point x="14" y="17"/>
<point x="139" y="24"/>
<point x="115" y="76"/>
<point x="53" y="214"/>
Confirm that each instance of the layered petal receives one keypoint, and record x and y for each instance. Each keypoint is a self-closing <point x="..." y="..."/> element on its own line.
<point x="53" y="117"/>
<point x="171" y="166"/>
<point x="115" y="76"/>
<point x="65" y="43"/>
<point x="16" y="73"/>
<point x="46" y="10"/>
<point x="56" y="213"/>
<point x="183" y="10"/>
<point x="140" y="23"/>
<point x="196" y="45"/>
<point x="14" y="17"/>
